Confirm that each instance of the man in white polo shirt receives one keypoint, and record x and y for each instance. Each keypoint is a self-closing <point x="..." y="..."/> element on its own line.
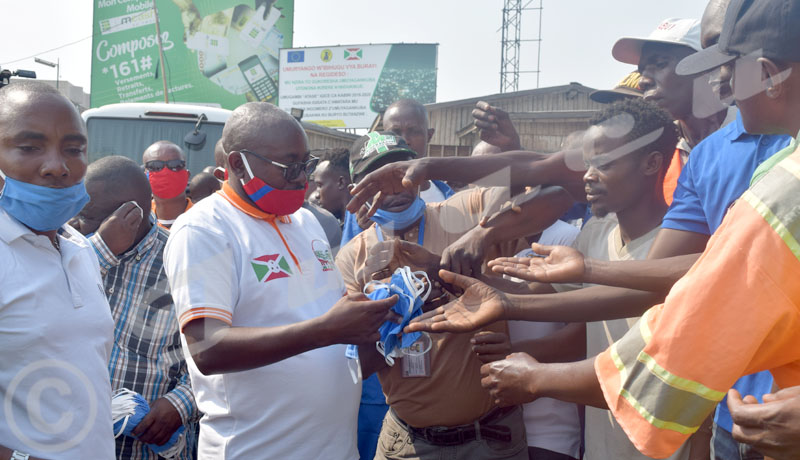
<point x="261" y="307"/>
<point x="55" y="323"/>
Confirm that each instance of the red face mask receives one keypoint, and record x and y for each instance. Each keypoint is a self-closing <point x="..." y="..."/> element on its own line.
<point x="168" y="184"/>
<point x="272" y="200"/>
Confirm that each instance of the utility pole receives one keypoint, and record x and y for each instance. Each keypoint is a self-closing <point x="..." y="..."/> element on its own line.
<point x="510" y="44"/>
<point x="161" y="53"/>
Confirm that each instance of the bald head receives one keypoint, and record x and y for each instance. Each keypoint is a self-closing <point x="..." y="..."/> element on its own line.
<point x="409" y="119"/>
<point x="118" y="178"/>
<point x="164" y="151"/>
<point x="251" y="122"/>
<point x="202" y="185"/>
<point x="25" y="92"/>
<point x="711" y="23"/>
<point x="485" y="148"/>
<point x="406" y="106"/>
<point x="219" y="154"/>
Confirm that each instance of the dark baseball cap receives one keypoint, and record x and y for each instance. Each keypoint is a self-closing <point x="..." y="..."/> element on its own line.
<point x="768" y="28"/>
<point x="627" y="88"/>
<point x="374" y="146"/>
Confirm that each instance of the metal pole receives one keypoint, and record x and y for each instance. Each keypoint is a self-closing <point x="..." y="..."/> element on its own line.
<point x="539" y="53"/>
<point x="161" y="53"/>
<point x="58" y="71"/>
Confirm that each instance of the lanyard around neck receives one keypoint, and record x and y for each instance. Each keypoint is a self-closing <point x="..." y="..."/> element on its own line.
<point x="420" y="234"/>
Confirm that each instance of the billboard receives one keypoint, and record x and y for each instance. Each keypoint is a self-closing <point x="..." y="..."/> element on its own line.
<point x="217" y="52"/>
<point x="347" y="86"/>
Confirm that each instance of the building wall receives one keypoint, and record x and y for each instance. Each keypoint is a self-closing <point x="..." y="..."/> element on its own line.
<point x="326" y="138"/>
<point x="70" y="91"/>
<point x="543" y="118"/>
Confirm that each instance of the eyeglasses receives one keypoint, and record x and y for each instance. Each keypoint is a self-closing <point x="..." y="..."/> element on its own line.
<point x="292" y="170"/>
<point x="158" y="165"/>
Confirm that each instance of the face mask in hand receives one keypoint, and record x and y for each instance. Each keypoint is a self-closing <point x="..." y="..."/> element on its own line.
<point x="412" y="289"/>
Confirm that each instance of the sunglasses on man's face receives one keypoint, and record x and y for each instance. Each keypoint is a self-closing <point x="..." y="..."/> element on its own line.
<point x="158" y="165"/>
<point x="293" y="170"/>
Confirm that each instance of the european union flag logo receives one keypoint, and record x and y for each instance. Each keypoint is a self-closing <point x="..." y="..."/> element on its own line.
<point x="296" y="56"/>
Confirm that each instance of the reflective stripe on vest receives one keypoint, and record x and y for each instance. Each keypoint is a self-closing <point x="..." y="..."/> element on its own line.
<point x="653" y="391"/>
<point x="776" y="197"/>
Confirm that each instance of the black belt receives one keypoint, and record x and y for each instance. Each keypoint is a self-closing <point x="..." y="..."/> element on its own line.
<point x="462" y="434"/>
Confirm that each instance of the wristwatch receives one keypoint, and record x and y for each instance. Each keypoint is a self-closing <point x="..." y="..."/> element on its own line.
<point x="17" y="455"/>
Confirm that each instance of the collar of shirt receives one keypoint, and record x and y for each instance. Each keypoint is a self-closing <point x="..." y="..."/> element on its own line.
<point x="735" y="131"/>
<point x="12" y="229"/>
<point x="145" y="245"/>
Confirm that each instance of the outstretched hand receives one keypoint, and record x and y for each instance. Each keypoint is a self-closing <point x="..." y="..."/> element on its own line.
<point x="510" y="381"/>
<point x="491" y="346"/>
<point x="387" y="180"/>
<point x="561" y="264"/>
<point x="496" y="126"/>
<point x="479" y="306"/>
<point x="387" y="256"/>
<point x="465" y="256"/>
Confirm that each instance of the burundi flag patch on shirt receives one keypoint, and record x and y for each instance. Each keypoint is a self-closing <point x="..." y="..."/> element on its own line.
<point x="271" y="267"/>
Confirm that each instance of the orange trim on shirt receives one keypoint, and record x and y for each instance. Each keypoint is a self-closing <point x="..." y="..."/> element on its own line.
<point x="189" y="205"/>
<point x="233" y="198"/>
<point x="204" y="312"/>
<point x="672" y="175"/>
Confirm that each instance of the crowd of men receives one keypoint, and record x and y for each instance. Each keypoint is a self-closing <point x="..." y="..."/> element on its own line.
<point x="634" y="295"/>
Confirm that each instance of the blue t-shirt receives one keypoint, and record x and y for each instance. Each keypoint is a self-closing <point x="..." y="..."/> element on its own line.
<point x="717" y="173"/>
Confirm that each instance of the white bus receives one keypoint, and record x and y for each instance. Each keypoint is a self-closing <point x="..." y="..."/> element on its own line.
<point x="127" y="129"/>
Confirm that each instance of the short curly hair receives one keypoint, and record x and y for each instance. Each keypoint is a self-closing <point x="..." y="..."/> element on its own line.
<point x="641" y="118"/>
<point x="338" y="157"/>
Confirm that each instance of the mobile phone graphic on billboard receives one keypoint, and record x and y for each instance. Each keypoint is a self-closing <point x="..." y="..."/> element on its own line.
<point x="260" y="82"/>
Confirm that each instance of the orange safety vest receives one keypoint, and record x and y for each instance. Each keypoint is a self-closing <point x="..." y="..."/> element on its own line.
<point x="736" y="312"/>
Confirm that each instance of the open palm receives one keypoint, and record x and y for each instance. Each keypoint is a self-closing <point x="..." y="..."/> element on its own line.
<point x="479" y="306"/>
<point x="561" y="264"/>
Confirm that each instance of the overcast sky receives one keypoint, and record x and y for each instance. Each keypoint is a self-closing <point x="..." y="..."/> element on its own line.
<point x="577" y="36"/>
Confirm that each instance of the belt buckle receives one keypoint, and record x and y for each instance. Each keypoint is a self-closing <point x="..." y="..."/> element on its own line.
<point x="444" y="436"/>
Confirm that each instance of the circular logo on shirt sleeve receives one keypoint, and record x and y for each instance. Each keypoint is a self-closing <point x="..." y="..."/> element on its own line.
<point x="323" y="254"/>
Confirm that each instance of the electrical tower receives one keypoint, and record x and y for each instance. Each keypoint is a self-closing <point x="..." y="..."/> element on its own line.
<point x="511" y="41"/>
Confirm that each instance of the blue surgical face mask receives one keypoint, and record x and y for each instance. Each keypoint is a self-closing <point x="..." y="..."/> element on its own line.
<point x="412" y="290"/>
<point x="42" y="208"/>
<point x="402" y="219"/>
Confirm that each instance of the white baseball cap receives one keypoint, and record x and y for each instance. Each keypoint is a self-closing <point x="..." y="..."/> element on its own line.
<point x="675" y="31"/>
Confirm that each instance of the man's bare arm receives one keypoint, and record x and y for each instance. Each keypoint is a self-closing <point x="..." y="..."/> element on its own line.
<point x="564" y="345"/>
<point x="520" y="378"/>
<point x="481" y="304"/>
<point x="647" y="275"/>
<point x="219" y="348"/>
<point x="671" y="256"/>
<point x="530" y="215"/>
<point x="509" y="169"/>
<point x="595" y="303"/>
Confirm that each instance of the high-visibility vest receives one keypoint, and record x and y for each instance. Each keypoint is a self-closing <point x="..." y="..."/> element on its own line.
<point x="736" y="312"/>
